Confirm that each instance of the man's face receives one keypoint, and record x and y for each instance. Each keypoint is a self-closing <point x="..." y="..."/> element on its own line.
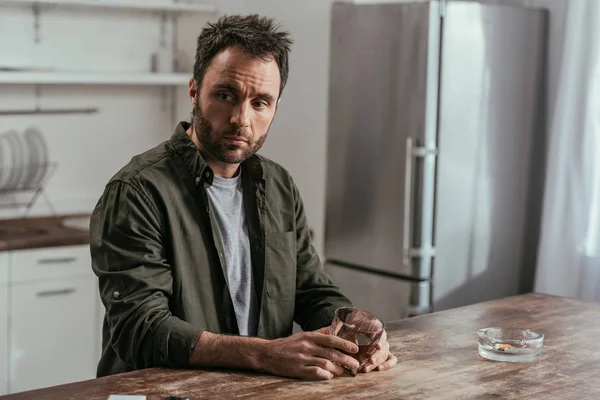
<point x="235" y="105"/>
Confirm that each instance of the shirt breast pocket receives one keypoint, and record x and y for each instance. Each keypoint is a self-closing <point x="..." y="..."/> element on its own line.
<point x="280" y="263"/>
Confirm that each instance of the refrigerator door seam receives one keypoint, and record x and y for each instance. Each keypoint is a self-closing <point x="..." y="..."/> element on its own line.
<point x="380" y="272"/>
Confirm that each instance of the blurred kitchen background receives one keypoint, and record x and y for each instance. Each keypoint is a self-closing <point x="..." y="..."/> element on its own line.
<point x="464" y="167"/>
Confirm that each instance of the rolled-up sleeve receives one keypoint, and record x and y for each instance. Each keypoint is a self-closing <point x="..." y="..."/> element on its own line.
<point x="136" y="281"/>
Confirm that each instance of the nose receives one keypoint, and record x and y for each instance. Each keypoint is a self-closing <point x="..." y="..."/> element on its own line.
<point x="240" y="115"/>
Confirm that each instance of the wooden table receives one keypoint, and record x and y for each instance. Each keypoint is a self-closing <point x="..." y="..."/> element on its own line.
<point x="438" y="359"/>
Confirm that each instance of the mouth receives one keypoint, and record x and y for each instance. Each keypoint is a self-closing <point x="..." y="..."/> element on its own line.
<point x="235" y="141"/>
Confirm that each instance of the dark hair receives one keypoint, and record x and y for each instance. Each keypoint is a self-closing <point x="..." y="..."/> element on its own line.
<point x="258" y="36"/>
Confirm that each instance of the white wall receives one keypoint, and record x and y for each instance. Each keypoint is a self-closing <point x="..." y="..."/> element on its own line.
<point x="298" y="138"/>
<point x="132" y="119"/>
<point x="557" y="10"/>
<point x="88" y="148"/>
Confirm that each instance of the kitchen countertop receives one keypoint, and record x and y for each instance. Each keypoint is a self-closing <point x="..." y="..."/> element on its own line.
<point x="51" y="231"/>
<point x="437" y="355"/>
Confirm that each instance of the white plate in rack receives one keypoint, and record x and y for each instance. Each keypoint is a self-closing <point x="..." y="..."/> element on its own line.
<point x="7" y="154"/>
<point x="38" y="159"/>
<point x="18" y="160"/>
<point x="23" y="166"/>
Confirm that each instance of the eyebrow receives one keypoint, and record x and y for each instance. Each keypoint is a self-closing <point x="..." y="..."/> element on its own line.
<point x="233" y="88"/>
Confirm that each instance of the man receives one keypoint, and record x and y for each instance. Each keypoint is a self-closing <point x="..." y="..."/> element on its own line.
<point x="202" y="248"/>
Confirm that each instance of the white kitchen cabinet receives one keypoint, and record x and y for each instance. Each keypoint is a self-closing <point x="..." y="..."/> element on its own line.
<point x="3" y="323"/>
<point x="50" y="263"/>
<point x="53" y="332"/>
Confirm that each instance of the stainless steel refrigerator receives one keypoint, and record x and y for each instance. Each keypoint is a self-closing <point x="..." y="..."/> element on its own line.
<point x="435" y="153"/>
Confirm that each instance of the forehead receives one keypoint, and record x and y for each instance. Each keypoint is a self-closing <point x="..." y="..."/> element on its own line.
<point x="233" y="65"/>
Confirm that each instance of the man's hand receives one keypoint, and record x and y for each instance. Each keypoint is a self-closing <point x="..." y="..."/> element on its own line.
<point x="382" y="359"/>
<point x="308" y="355"/>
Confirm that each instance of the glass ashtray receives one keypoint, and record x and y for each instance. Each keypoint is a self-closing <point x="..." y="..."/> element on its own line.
<point x="510" y="344"/>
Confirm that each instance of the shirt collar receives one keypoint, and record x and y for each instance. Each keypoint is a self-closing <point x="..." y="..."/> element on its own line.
<point x="199" y="169"/>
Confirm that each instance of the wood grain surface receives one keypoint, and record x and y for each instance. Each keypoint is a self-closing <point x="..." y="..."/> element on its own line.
<point x="438" y="359"/>
<point x="37" y="232"/>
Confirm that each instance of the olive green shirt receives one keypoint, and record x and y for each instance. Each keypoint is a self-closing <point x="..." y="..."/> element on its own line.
<point x="156" y="250"/>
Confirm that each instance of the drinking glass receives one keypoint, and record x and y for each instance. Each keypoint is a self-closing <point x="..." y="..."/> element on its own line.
<point x="360" y="327"/>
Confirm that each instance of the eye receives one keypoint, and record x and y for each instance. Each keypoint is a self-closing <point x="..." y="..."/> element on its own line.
<point x="225" y="96"/>
<point x="260" y="104"/>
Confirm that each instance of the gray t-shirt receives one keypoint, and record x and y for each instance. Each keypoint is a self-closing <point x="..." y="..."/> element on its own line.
<point x="226" y="198"/>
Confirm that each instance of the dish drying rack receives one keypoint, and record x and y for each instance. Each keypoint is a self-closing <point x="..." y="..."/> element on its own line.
<point x="24" y="191"/>
<point x="24" y="169"/>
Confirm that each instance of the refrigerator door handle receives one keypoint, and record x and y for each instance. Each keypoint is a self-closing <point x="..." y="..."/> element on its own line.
<point x="407" y="201"/>
<point x="408" y="251"/>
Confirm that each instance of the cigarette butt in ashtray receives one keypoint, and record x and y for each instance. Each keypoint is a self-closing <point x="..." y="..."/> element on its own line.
<point x="502" y="346"/>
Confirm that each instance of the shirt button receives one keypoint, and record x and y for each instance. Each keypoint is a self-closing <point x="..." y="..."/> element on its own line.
<point x="197" y="180"/>
<point x="207" y="174"/>
<point x="116" y="294"/>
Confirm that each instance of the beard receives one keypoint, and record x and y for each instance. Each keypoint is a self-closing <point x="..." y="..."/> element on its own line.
<point x="213" y="142"/>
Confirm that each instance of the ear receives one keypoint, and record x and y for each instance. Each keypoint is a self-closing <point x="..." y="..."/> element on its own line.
<point x="193" y="88"/>
<point x="278" y="101"/>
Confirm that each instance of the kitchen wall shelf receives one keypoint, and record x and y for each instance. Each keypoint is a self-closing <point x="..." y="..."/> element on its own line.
<point x="140" y="5"/>
<point x="48" y="111"/>
<point x="91" y="78"/>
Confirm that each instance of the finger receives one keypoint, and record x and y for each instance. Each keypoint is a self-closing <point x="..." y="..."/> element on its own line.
<point x="380" y="356"/>
<point x="326" y="365"/>
<point x="377" y="358"/>
<point x="336" y="357"/>
<point x="334" y="342"/>
<point x="317" y="373"/>
<point x="391" y="361"/>
<point x="325" y="330"/>
<point x="382" y="340"/>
